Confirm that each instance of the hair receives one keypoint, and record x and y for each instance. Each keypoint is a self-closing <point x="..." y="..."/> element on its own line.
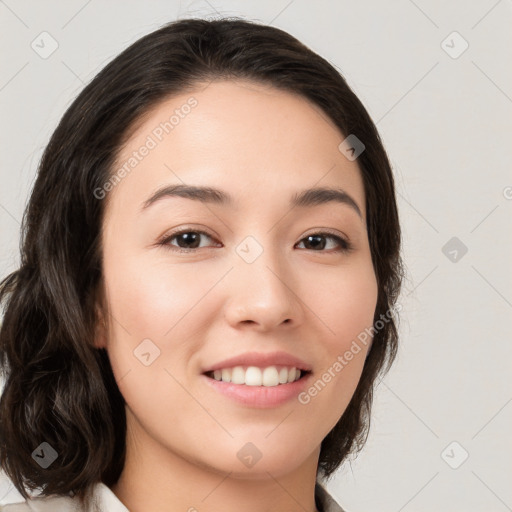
<point x="59" y="388"/>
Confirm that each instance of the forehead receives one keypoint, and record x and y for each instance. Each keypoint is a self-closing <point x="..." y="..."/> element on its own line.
<point x="256" y="141"/>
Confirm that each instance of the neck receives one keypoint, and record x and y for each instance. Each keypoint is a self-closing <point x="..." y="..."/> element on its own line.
<point x="159" y="480"/>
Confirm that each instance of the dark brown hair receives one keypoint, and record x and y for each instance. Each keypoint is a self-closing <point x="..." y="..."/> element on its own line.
<point x="59" y="388"/>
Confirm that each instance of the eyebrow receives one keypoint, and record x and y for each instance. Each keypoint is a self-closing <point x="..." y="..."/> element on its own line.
<point x="303" y="199"/>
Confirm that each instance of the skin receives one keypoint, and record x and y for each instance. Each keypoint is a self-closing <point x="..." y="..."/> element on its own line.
<point x="261" y="145"/>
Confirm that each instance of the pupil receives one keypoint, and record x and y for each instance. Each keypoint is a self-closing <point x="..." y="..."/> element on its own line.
<point x="191" y="237"/>
<point x="188" y="236"/>
<point x="313" y="237"/>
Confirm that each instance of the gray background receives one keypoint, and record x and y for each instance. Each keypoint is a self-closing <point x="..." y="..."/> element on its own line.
<point x="446" y="120"/>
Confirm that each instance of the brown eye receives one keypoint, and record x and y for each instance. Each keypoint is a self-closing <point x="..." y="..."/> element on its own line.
<point x="316" y="242"/>
<point x="187" y="240"/>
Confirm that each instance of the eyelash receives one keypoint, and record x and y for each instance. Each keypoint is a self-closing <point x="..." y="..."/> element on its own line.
<point x="346" y="246"/>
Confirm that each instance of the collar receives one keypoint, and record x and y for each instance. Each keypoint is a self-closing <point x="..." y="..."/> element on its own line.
<point x="104" y="500"/>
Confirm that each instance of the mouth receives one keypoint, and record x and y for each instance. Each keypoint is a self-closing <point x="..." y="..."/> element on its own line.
<point x="269" y="376"/>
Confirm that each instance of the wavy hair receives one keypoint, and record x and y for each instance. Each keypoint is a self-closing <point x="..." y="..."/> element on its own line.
<point x="59" y="388"/>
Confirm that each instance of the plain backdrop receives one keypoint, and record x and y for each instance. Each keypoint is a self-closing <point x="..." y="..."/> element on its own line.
<point x="436" y="78"/>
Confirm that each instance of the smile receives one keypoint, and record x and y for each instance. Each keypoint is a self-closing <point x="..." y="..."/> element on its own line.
<point x="256" y="376"/>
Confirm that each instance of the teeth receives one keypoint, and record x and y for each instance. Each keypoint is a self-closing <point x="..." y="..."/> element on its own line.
<point x="237" y="375"/>
<point x="254" y="376"/>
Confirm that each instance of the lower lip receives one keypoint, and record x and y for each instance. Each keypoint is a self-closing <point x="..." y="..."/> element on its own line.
<point x="260" y="396"/>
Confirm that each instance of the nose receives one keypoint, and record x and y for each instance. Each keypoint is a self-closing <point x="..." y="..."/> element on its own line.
<point x="262" y="294"/>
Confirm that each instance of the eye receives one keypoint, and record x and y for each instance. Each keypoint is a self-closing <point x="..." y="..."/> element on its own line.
<point x="190" y="239"/>
<point x="316" y="240"/>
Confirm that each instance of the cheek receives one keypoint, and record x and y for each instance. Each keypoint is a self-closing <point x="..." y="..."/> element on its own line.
<point x="151" y="302"/>
<point x="345" y="301"/>
<point x="345" y="304"/>
<point x="150" y="298"/>
<point x="162" y="303"/>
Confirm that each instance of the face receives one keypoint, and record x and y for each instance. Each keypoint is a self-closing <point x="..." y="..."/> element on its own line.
<point x="257" y="274"/>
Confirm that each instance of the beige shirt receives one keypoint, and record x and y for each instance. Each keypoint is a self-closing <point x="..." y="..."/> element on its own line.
<point x="104" y="500"/>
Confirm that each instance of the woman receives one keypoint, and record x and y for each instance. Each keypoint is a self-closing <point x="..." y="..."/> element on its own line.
<point x="210" y="267"/>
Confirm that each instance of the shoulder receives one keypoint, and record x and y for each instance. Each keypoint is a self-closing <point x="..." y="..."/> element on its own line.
<point x="103" y="500"/>
<point x="106" y="500"/>
<point x="43" y="504"/>
<point x="324" y="501"/>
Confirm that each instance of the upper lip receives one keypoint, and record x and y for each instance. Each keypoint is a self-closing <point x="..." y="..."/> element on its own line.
<point x="262" y="360"/>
